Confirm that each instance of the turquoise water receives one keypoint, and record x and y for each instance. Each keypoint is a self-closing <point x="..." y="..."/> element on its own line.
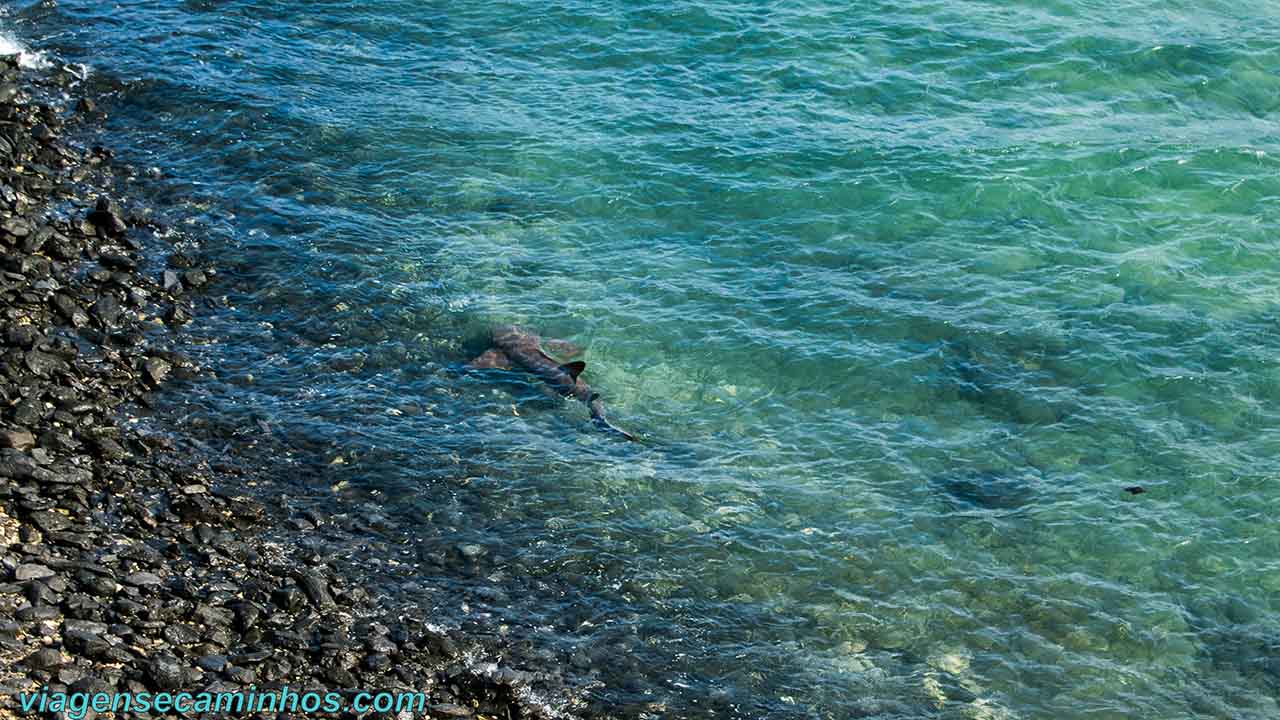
<point x="900" y="296"/>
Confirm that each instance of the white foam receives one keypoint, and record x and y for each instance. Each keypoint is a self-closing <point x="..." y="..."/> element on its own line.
<point x="9" y="45"/>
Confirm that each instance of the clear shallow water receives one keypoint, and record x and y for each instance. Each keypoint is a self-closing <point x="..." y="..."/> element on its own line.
<point x="901" y="297"/>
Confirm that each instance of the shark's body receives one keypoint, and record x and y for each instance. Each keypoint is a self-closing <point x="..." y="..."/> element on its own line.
<point x="516" y="349"/>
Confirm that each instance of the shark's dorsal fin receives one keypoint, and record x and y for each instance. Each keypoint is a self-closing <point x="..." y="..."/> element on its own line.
<point x="574" y="368"/>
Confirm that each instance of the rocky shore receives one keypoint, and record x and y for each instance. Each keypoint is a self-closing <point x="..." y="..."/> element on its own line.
<point x="126" y="565"/>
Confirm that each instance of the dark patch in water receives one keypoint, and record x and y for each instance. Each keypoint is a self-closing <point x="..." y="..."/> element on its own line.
<point x="989" y="489"/>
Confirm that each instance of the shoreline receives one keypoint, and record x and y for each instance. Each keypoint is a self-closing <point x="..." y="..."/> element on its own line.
<point x="128" y="567"/>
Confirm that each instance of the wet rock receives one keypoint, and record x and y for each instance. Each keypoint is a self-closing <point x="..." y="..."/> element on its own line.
<point x="117" y="261"/>
<point x="107" y="309"/>
<point x="289" y="598"/>
<point x="109" y="449"/>
<point x="157" y="370"/>
<point x="104" y="219"/>
<point x="317" y="590"/>
<point x="195" y="278"/>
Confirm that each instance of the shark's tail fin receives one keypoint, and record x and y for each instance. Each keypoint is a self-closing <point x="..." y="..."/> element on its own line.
<point x="603" y="423"/>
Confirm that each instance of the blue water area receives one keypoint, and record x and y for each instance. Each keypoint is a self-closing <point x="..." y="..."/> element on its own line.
<point x="900" y="296"/>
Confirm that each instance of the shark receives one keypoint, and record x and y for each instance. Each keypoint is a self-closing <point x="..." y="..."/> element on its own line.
<point x="514" y="348"/>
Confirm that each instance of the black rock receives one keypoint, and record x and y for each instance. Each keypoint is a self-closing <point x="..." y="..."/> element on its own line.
<point x="36" y="240"/>
<point x="23" y="336"/>
<point x="166" y="672"/>
<point x="86" y="644"/>
<point x="251" y="658"/>
<point x="212" y="663"/>
<point x="142" y="579"/>
<point x="118" y="261"/>
<point x="105" y="220"/>
<point x="157" y="370"/>
<point x="341" y="677"/>
<point x="43" y="363"/>
<point x="380" y="644"/>
<point x="317" y="590"/>
<point x="100" y="585"/>
<point x="45" y="659"/>
<point x="28" y="412"/>
<point x="32" y="613"/>
<point x="212" y="616"/>
<point x="109" y="449"/>
<point x="247" y="615"/>
<point x="9" y="636"/>
<point x="39" y="593"/>
<point x="17" y="227"/>
<point x="49" y="520"/>
<point x="107" y="309"/>
<point x="195" y="278"/>
<point x="180" y="635"/>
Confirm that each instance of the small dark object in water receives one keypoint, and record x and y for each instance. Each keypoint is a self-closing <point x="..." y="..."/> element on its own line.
<point x="989" y="489"/>
<point x="1135" y="489"/>
<point x="105" y="219"/>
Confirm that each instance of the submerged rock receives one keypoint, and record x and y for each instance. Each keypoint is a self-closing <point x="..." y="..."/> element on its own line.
<point x="105" y="220"/>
